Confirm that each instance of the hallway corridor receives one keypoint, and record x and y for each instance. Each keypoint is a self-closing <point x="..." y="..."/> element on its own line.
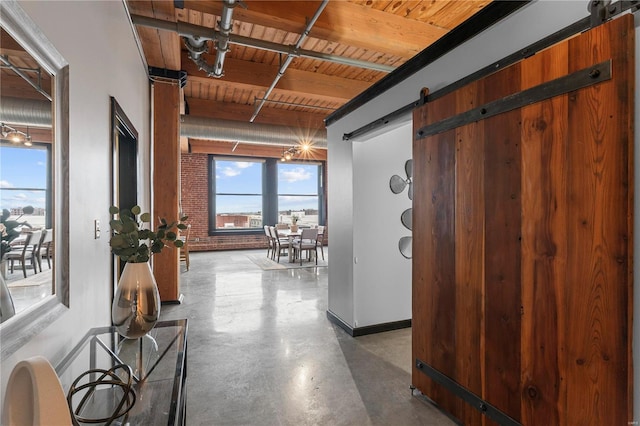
<point x="261" y="351"/>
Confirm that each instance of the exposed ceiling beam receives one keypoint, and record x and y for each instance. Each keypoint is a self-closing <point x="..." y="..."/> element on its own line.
<point x="253" y="74"/>
<point x="366" y="28"/>
<point x="233" y="111"/>
<point x="16" y="87"/>
<point x="199" y="146"/>
<point x="166" y="42"/>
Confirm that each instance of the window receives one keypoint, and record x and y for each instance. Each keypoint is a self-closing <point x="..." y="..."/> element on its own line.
<point x="24" y="181"/>
<point x="248" y="193"/>
<point x="298" y="188"/>
<point x="238" y="194"/>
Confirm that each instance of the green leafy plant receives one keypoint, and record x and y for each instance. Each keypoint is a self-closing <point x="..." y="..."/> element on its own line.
<point x="10" y="229"/>
<point x="133" y="244"/>
<point x="294" y="219"/>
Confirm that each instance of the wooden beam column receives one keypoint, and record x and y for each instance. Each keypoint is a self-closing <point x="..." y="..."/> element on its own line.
<point x="166" y="181"/>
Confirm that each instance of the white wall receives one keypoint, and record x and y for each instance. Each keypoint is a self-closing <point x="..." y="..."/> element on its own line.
<point x="530" y="24"/>
<point x="96" y="39"/>
<point x="340" y="228"/>
<point x="382" y="292"/>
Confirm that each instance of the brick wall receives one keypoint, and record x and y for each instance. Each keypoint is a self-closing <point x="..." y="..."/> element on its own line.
<point x="195" y="204"/>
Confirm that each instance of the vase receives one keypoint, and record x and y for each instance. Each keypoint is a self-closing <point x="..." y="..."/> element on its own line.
<point x="136" y="304"/>
<point x="294" y="228"/>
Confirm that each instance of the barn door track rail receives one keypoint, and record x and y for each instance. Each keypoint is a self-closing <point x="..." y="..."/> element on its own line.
<point x="569" y="83"/>
<point x="601" y="11"/>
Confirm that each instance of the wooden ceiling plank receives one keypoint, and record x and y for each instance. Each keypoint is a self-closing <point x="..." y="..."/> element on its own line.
<point x="170" y="43"/>
<point x="151" y="46"/>
<point x="163" y="9"/>
<point x="366" y="27"/>
<point x="268" y="115"/>
<point x="453" y="13"/>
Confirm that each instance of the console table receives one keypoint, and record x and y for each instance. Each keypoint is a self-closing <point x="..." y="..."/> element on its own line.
<point x="158" y="362"/>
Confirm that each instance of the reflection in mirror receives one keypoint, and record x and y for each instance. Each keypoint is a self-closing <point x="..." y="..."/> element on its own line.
<point x="33" y="179"/>
<point x="25" y="177"/>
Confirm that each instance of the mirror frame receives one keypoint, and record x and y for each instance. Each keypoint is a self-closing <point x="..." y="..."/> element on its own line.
<point x="21" y="328"/>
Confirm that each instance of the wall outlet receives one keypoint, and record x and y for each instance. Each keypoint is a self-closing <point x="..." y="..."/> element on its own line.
<point x="96" y="229"/>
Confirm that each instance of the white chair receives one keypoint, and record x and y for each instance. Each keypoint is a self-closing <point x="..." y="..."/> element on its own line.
<point x="308" y="241"/>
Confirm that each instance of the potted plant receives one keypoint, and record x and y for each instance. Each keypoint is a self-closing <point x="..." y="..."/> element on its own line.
<point x="136" y="304"/>
<point x="294" y="223"/>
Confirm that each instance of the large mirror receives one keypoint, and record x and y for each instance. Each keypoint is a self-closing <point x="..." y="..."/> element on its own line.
<point x="34" y="179"/>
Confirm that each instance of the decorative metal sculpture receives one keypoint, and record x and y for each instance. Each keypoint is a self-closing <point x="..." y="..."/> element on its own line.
<point x="119" y="376"/>
<point x="397" y="185"/>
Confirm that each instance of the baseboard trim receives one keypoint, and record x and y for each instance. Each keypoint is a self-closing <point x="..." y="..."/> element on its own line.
<point x="338" y="321"/>
<point x="369" y="329"/>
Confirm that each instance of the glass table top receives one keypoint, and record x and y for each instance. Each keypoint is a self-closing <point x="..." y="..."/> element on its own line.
<point x="157" y="363"/>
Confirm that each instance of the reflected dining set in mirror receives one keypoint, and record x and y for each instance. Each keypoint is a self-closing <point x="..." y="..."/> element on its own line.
<point x="28" y="251"/>
<point x="282" y="239"/>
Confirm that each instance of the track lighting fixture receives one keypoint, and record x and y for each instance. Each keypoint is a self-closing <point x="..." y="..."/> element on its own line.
<point x="302" y="148"/>
<point x="15" y="135"/>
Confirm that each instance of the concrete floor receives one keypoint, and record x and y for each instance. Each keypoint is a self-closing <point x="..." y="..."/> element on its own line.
<point x="262" y="352"/>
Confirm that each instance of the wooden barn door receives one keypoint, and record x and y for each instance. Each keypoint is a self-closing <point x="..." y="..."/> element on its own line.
<point x="522" y="230"/>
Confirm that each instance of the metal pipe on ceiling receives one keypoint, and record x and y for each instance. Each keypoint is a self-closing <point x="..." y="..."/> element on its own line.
<point x="25" y="112"/>
<point x="254" y="133"/>
<point x="186" y="29"/>
<point x="36" y="113"/>
<point x="198" y="45"/>
<point x="289" y="59"/>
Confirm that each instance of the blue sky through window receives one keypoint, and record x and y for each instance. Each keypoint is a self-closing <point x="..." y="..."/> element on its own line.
<point x="22" y="168"/>
<point x="239" y="177"/>
<point x="297" y="186"/>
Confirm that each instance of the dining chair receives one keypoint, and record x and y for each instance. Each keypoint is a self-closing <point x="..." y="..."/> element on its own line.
<point x="320" y="239"/>
<point x="279" y="243"/>
<point x="25" y="252"/>
<point x="184" y="250"/>
<point x="45" y="247"/>
<point x="37" y="248"/>
<point x="267" y="233"/>
<point x="308" y="241"/>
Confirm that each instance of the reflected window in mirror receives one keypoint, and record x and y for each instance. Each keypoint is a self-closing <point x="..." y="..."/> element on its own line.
<point x="25" y="173"/>
<point x="34" y="179"/>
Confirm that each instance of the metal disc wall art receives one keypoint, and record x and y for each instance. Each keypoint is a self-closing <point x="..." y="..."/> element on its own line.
<point x="397" y="185"/>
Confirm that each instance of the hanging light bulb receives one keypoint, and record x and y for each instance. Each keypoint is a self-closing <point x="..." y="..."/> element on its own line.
<point x="16" y="137"/>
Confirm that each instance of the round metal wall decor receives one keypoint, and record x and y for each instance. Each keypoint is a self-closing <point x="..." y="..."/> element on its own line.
<point x="397" y="185"/>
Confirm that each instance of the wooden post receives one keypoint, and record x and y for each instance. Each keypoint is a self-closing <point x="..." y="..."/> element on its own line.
<point x="166" y="182"/>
